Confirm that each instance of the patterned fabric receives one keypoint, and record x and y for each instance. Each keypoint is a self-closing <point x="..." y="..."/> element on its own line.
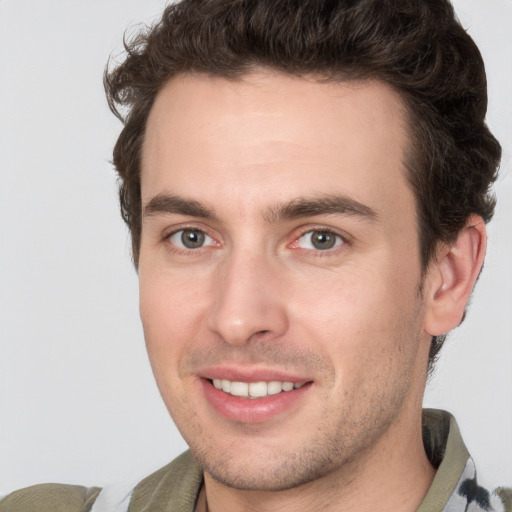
<point x="175" y="487"/>
<point x="470" y="497"/>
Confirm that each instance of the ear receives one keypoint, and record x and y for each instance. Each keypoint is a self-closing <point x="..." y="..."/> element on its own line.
<point x="451" y="278"/>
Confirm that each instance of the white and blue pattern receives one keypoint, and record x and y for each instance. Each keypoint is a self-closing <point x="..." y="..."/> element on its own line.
<point x="468" y="496"/>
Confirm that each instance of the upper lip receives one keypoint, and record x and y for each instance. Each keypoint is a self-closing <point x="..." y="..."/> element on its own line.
<point x="250" y="374"/>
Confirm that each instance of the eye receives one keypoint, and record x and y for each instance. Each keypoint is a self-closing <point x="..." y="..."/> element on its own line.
<point x="190" y="239"/>
<point x="319" y="240"/>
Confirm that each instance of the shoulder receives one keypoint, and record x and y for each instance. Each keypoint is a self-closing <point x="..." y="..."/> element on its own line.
<point x="178" y="484"/>
<point x="505" y="495"/>
<point x="50" y="498"/>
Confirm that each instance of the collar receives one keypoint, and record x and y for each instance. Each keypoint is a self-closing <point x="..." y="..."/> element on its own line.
<point x="176" y="486"/>
<point x="455" y="487"/>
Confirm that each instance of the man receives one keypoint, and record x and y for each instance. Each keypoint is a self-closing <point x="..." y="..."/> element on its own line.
<point x="307" y="188"/>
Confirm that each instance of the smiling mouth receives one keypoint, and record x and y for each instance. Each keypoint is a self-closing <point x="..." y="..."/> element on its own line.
<point x="255" y="389"/>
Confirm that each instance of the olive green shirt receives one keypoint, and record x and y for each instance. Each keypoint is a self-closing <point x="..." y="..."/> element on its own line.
<point x="175" y="487"/>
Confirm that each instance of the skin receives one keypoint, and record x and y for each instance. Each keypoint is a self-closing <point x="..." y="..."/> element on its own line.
<point x="354" y="320"/>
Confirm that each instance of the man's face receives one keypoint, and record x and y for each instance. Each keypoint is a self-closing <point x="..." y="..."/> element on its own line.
<point x="280" y="250"/>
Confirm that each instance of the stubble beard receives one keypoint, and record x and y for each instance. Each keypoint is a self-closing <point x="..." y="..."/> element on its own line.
<point x="341" y="443"/>
<point x="334" y="448"/>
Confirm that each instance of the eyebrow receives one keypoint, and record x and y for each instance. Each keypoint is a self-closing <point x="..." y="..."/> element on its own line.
<point x="294" y="209"/>
<point x="169" y="203"/>
<point x="323" y="205"/>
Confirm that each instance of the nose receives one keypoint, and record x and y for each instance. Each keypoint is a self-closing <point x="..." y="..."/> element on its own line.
<point x="248" y="301"/>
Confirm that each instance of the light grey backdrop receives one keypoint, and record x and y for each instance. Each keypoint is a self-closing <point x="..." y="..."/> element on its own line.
<point x="77" y="399"/>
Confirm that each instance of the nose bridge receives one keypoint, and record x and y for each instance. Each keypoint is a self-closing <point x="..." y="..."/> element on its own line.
<point x="248" y="299"/>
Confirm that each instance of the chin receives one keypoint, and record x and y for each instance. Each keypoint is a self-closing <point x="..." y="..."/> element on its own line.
<point x="253" y="466"/>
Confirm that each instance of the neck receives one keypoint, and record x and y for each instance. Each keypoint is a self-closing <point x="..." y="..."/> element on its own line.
<point x="393" y="475"/>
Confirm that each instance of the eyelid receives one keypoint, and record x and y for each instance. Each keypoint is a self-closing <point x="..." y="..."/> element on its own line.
<point x="168" y="234"/>
<point x="300" y="232"/>
<point x="345" y="238"/>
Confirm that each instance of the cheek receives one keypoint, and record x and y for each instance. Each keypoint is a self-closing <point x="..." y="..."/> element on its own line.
<point x="361" y="316"/>
<point x="169" y="314"/>
<point x="353" y="299"/>
<point x="170" y="310"/>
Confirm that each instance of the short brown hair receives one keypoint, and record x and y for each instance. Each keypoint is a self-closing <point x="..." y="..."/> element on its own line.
<point x="416" y="46"/>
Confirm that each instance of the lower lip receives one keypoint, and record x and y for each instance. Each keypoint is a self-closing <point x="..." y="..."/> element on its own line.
<point x="252" y="410"/>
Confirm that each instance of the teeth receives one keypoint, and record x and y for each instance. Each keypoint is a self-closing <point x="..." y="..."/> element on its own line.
<point x="274" y="387"/>
<point x="287" y="386"/>
<point x="255" y="389"/>
<point x="239" y="388"/>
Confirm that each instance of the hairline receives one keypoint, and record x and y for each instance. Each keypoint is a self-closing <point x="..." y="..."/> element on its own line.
<point x="411" y="120"/>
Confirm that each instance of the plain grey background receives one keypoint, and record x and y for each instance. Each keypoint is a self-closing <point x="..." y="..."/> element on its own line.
<point x="77" y="398"/>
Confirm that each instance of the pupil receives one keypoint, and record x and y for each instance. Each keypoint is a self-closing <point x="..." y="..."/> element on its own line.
<point x="322" y="240"/>
<point x="192" y="239"/>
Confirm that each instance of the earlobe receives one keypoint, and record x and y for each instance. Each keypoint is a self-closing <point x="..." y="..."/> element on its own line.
<point x="452" y="276"/>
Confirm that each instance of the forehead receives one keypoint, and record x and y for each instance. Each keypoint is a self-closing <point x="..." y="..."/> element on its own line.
<point x="270" y="136"/>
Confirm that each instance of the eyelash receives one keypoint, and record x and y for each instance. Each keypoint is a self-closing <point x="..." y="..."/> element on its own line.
<point x="168" y="237"/>
<point x="341" y="240"/>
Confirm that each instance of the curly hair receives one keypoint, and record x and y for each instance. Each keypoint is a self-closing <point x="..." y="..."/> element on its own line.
<point x="417" y="47"/>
